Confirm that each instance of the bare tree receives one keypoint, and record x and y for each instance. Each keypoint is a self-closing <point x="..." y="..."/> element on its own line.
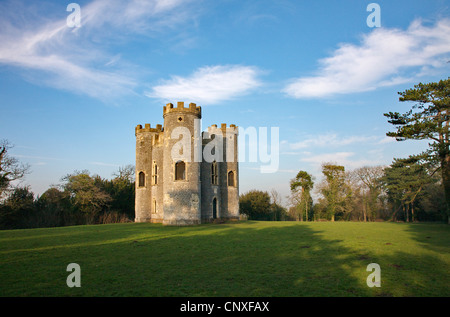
<point x="368" y="180"/>
<point x="126" y="173"/>
<point x="10" y="168"/>
<point x="276" y="197"/>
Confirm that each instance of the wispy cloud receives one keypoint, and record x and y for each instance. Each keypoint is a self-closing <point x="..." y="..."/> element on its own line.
<point x="331" y="140"/>
<point x="38" y="157"/>
<point x="345" y="159"/>
<point x="104" y="164"/>
<point x="209" y="84"/>
<point x="384" y="57"/>
<point x="386" y="140"/>
<point x="139" y="16"/>
<point x="71" y="58"/>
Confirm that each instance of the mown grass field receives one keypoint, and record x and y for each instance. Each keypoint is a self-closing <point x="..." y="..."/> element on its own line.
<point x="268" y="259"/>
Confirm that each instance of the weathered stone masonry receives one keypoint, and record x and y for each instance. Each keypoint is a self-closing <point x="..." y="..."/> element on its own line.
<point x="189" y="191"/>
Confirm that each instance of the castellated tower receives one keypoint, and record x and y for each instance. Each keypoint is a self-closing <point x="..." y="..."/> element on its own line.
<point x="183" y="176"/>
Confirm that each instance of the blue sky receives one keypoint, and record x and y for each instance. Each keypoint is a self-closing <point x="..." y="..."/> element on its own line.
<point x="70" y="97"/>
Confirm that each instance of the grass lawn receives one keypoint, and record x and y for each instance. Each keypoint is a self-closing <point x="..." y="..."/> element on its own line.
<point x="250" y="258"/>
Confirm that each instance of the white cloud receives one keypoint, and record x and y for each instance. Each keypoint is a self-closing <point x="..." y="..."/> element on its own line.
<point x="384" y="57"/>
<point x="209" y="84"/>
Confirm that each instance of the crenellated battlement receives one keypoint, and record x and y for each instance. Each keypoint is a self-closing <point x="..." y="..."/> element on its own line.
<point x="148" y="128"/>
<point x="193" y="108"/>
<point x="223" y="128"/>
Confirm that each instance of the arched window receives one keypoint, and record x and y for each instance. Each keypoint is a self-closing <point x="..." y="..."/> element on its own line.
<point x="214" y="178"/>
<point x="180" y="170"/>
<point x="231" y="178"/>
<point x="141" y="179"/>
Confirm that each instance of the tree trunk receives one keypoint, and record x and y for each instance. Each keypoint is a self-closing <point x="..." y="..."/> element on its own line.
<point x="445" y="166"/>
<point x="303" y="200"/>
<point x="364" y="211"/>
<point x="306" y="210"/>
<point x="405" y="210"/>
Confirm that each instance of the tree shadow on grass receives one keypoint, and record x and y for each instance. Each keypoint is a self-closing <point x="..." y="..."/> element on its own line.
<point x="267" y="259"/>
<point x="435" y="236"/>
<point x="290" y="260"/>
<point x="424" y="271"/>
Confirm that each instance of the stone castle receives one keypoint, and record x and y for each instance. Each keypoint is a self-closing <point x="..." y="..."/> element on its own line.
<point x="185" y="176"/>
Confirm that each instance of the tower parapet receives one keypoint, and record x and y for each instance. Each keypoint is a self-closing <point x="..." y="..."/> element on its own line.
<point x="193" y="108"/>
<point x="232" y="129"/>
<point x="148" y="128"/>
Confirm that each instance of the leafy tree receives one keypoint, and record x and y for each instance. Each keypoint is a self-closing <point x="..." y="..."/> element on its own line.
<point x="256" y="205"/>
<point x="404" y="180"/>
<point x="86" y="194"/>
<point x="54" y="208"/>
<point x="334" y="189"/>
<point x="431" y="204"/>
<point x="17" y="209"/>
<point x="121" y="189"/>
<point x="301" y="187"/>
<point x="278" y="212"/>
<point x="10" y="168"/>
<point x="427" y="120"/>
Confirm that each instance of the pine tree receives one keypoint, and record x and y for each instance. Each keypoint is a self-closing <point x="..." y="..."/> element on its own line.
<point x="303" y="181"/>
<point x="427" y="120"/>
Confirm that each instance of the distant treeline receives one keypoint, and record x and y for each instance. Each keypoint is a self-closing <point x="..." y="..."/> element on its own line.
<point x="81" y="199"/>
<point x="404" y="191"/>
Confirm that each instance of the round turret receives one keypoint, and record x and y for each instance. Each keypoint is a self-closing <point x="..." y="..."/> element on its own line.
<point x="144" y="149"/>
<point x="182" y="187"/>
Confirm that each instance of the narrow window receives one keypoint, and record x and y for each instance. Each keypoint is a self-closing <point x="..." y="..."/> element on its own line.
<point x="141" y="179"/>
<point x="155" y="173"/>
<point x="214" y="178"/>
<point x="180" y="170"/>
<point x="154" y="205"/>
<point x="214" y="205"/>
<point x="231" y="178"/>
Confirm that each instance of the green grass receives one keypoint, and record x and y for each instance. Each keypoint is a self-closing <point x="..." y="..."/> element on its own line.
<point x="235" y="259"/>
